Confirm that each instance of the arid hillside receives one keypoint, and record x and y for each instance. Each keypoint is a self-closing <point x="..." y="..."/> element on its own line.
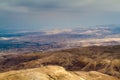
<point x="53" y="73"/>
<point x="104" y="59"/>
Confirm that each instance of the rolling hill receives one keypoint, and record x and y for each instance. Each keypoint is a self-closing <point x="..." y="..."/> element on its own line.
<point x="103" y="59"/>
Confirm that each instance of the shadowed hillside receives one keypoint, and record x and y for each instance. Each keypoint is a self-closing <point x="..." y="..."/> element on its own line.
<point x="105" y="59"/>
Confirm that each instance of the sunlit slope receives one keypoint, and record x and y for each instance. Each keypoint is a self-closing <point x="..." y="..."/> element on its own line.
<point x="101" y="59"/>
<point x="53" y="73"/>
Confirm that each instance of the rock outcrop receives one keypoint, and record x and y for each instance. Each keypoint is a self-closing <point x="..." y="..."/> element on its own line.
<point x="53" y="73"/>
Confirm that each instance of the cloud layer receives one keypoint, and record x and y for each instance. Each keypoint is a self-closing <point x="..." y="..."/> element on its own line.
<point x="62" y="5"/>
<point x="59" y="12"/>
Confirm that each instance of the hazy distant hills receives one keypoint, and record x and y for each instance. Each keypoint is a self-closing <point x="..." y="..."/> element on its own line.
<point x="28" y="41"/>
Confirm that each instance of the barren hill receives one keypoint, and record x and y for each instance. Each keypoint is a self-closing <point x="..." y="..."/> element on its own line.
<point x="53" y="73"/>
<point x="104" y="59"/>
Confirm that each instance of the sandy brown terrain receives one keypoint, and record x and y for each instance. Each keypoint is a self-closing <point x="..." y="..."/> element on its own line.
<point x="53" y="73"/>
<point x="103" y="59"/>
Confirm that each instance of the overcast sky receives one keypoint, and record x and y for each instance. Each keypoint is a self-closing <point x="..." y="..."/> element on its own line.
<point x="46" y="14"/>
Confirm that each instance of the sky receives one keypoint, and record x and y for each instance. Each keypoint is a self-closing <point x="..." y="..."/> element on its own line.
<point x="55" y="14"/>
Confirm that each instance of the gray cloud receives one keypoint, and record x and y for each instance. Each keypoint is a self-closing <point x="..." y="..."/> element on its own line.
<point x="41" y="5"/>
<point x="38" y="5"/>
<point x="61" y="5"/>
<point x="59" y="12"/>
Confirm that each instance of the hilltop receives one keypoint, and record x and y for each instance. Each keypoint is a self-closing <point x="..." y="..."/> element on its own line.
<point x="53" y="73"/>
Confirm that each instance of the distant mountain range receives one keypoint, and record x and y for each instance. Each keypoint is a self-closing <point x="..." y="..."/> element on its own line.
<point x="27" y="41"/>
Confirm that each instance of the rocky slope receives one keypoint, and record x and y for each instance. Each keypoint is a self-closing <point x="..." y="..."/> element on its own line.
<point x="103" y="59"/>
<point x="53" y="73"/>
